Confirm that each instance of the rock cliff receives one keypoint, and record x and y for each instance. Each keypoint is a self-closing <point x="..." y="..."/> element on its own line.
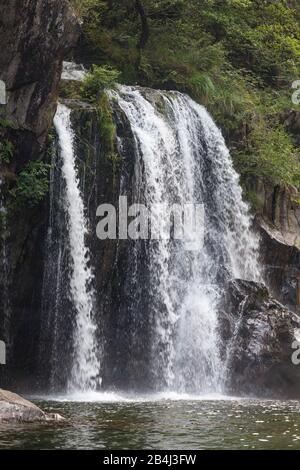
<point x="278" y="221"/>
<point x="35" y="37"/>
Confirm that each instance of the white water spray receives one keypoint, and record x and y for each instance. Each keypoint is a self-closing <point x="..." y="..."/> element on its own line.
<point x="185" y="160"/>
<point x="86" y="367"/>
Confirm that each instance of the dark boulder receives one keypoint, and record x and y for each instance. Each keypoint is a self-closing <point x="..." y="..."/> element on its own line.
<point x="258" y="333"/>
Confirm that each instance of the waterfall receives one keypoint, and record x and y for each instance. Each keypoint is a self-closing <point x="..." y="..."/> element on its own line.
<point x="181" y="157"/>
<point x="86" y="365"/>
<point x="159" y="299"/>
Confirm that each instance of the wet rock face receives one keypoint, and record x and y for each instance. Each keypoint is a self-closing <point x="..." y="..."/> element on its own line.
<point x="14" y="408"/>
<point x="281" y="257"/>
<point x="35" y="37"/>
<point x="258" y="333"/>
<point x="278" y="222"/>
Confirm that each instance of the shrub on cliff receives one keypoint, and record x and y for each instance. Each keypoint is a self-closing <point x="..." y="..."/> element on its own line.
<point x="32" y="184"/>
<point x="98" y="80"/>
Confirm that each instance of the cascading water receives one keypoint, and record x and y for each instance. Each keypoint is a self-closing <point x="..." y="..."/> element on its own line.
<point x="181" y="157"/>
<point x="86" y="364"/>
<point x="159" y="299"/>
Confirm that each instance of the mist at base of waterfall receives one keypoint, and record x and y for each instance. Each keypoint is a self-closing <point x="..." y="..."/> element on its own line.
<point x="165" y="423"/>
<point x="121" y="397"/>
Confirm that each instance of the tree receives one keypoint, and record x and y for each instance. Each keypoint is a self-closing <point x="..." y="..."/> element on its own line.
<point x="144" y="24"/>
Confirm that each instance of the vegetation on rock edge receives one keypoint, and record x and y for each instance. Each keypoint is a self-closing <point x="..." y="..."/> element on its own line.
<point x="237" y="57"/>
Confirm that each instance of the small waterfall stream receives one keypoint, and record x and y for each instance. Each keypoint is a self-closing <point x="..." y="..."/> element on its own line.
<point x="86" y="366"/>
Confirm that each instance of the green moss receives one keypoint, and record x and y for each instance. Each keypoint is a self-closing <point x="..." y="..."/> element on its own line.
<point x="108" y="134"/>
<point x="106" y="124"/>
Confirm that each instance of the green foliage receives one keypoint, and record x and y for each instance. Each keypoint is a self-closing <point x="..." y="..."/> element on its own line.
<point x="89" y="10"/>
<point x="106" y="124"/>
<point x="6" y="151"/>
<point x="108" y="134"/>
<point x="6" y="124"/>
<point x="202" y="86"/>
<point x="196" y="35"/>
<point x="238" y="57"/>
<point x="32" y="184"/>
<point x="98" y="80"/>
<point x="71" y="90"/>
<point x="107" y="130"/>
<point x="271" y="154"/>
<point x="260" y="35"/>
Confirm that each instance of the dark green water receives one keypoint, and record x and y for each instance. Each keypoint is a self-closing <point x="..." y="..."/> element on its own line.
<point x="162" y="424"/>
